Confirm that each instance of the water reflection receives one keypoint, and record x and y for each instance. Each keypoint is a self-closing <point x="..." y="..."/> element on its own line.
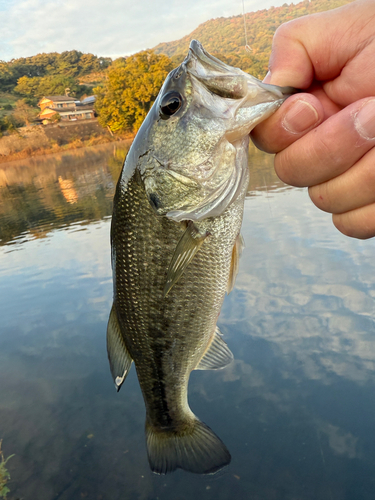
<point x="296" y="408"/>
<point x="35" y="193"/>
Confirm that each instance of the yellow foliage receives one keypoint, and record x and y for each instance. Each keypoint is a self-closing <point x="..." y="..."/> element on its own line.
<point x="132" y="86"/>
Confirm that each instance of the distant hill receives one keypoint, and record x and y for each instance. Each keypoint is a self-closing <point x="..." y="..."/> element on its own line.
<point x="225" y="36"/>
<point x="42" y="74"/>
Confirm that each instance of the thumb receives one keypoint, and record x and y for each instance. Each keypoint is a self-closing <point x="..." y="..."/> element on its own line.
<point x="297" y="116"/>
<point x="334" y="47"/>
<point x="289" y="63"/>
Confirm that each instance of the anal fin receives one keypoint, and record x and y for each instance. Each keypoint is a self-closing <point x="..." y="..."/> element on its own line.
<point x="119" y="358"/>
<point x="218" y="354"/>
<point x="235" y="262"/>
<point x="184" y="253"/>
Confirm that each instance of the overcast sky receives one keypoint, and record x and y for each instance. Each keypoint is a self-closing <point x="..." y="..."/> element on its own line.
<point x="106" y="28"/>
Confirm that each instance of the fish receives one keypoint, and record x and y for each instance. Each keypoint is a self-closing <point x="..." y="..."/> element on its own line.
<point x="176" y="244"/>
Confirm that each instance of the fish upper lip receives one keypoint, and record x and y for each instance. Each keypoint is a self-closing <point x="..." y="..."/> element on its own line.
<point x="211" y="63"/>
<point x="196" y="51"/>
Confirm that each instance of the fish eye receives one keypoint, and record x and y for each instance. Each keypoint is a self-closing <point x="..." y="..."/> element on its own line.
<point x="170" y="104"/>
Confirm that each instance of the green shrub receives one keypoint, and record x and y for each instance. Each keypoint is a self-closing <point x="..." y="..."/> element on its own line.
<point x="4" y="474"/>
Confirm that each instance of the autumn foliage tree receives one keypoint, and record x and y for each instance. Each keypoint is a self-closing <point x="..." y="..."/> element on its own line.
<point x="132" y="86"/>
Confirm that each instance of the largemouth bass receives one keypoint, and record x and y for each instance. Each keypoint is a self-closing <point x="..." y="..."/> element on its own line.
<point x="175" y="247"/>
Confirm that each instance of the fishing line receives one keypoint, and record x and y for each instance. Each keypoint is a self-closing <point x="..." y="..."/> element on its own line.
<point x="247" y="47"/>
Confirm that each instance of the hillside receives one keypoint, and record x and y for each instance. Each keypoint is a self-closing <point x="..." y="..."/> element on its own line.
<point x="127" y="87"/>
<point x="50" y="74"/>
<point x="225" y="36"/>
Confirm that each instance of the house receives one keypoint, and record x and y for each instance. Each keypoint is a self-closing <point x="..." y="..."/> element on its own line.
<point x="56" y="101"/>
<point x="67" y="107"/>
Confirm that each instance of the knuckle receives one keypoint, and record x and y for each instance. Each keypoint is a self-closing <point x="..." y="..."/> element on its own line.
<point x="287" y="30"/>
<point x="284" y="168"/>
<point x="368" y="170"/>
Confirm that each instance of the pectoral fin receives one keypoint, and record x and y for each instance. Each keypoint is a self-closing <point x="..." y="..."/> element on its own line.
<point x="218" y="354"/>
<point x="119" y="357"/>
<point x="187" y="247"/>
<point x="235" y="262"/>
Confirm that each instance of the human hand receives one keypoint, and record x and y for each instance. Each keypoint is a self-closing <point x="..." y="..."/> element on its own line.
<point x="325" y="138"/>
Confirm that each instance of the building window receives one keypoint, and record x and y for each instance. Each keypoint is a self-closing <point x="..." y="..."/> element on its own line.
<point x="87" y="115"/>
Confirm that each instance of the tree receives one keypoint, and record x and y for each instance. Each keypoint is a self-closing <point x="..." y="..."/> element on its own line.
<point x="27" y="86"/>
<point x="56" y="85"/>
<point x="23" y="112"/>
<point x="37" y="87"/>
<point x="8" y="123"/>
<point x="68" y="62"/>
<point x="6" y="76"/>
<point x="132" y="86"/>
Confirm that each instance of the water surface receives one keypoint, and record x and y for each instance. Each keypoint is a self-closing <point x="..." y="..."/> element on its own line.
<point x="296" y="408"/>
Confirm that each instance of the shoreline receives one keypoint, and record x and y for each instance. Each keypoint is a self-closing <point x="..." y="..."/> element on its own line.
<point x="29" y="142"/>
<point x="55" y="148"/>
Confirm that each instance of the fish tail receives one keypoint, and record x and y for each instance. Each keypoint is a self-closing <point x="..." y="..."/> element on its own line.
<point x="195" y="448"/>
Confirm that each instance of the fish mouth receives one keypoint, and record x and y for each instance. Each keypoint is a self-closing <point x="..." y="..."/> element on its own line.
<point x="209" y="62"/>
<point x="224" y="80"/>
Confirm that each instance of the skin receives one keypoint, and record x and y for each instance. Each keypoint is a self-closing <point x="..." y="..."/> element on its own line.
<point x="324" y="138"/>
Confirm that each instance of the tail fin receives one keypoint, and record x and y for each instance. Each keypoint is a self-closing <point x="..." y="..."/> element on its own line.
<point x="196" y="449"/>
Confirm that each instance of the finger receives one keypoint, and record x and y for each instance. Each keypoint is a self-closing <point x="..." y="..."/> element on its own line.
<point x="331" y="148"/>
<point x="359" y="223"/>
<point x="353" y="189"/>
<point x="355" y="55"/>
<point x="356" y="80"/>
<point x="299" y="114"/>
<point x="335" y="47"/>
<point x="290" y="63"/>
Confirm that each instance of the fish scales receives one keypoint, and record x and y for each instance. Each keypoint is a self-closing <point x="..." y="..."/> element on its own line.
<point x="142" y="259"/>
<point x="175" y="247"/>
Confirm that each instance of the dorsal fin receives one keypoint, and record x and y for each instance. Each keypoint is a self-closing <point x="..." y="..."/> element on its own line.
<point x="218" y="355"/>
<point x="118" y="355"/>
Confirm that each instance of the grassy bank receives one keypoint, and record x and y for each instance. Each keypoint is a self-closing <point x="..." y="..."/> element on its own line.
<point x="38" y="140"/>
<point x="55" y="148"/>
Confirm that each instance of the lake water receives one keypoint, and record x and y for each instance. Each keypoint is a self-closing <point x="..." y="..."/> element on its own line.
<point x="296" y="408"/>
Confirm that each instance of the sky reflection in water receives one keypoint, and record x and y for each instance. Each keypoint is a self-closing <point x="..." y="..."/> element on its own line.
<point x="296" y="408"/>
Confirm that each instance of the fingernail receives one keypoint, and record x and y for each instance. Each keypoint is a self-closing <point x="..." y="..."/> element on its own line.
<point x="365" y="120"/>
<point x="300" y="116"/>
